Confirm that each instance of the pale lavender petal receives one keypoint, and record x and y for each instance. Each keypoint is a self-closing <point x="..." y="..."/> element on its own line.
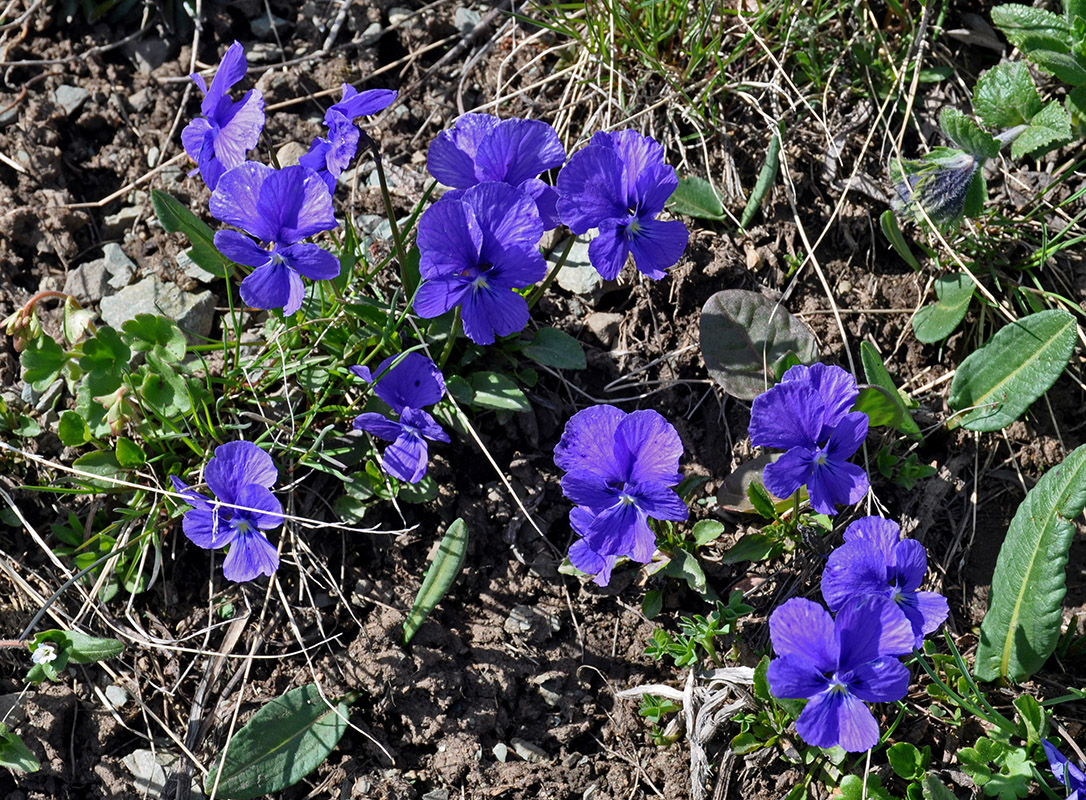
<point x="267" y="511"/>
<point x="610" y="250"/>
<point x="787" y="415"/>
<point x="449" y="239"/>
<point x="237" y="464"/>
<point x="869" y="628"/>
<point x="795" y="676"/>
<point x="234" y="200"/>
<point x="273" y="286"/>
<point x="657" y="245"/>
<point x="588" y="442"/>
<point x="378" y="425"/>
<point x="789" y="472"/>
<point x="518" y="149"/>
<point x="804" y="629"/>
<point x="312" y="261"/>
<point x="591" y="188"/>
<point x="239" y="130"/>
<point x="362" y="372"/>
<point x="240" y="249"/>
<point x="883" y="533"/>
<point x="650" y="446"/>
<point x="250" y="556"/>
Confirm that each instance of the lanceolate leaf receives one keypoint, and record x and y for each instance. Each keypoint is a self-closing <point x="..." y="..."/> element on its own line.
<point x="878" y="375"/>
<point x="176" y="217"/>
<point x="280" y="745"/>
<point x="1016" y="366"/>
<point x="1022" y="625"/>
<point x="439" y="577"/>
<point x="743" y="334"/>
<point x="14" y="754"/>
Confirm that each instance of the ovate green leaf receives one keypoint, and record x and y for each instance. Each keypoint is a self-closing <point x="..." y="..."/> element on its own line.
<point x="1005" y="95"/>
<point x="554" y="348"/>
<point x="695" y="197"/>
<point x="1064" y="66"/>
<point x="496" y="391"/>
<point x="42" y="361"/>
<point x="743" y="334"/>
<point x="1016" y="366"/>
<point x="439" y="577"/>
<point x="935" y="322"/>
<point x="14" y="754"/>
<point x="967" y="135"/>
<point x="1022" y="625"/>
<point x="72" y="429"/>
<point x="283" y="742"/>
<point x="1031" y="29"/>
<point x="1050" y="128"/>
<point x="878" y="375"/>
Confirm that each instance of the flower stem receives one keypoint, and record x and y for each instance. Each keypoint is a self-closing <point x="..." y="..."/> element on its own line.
<point x="537" y="293"/>
<point x="397" y="240"/>
<point x="454" y="329"/>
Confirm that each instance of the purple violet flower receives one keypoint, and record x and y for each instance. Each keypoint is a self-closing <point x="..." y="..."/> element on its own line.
<point x="620" y="470"/>
<point x="807" y="415"/>
<point x="329" y="157"/>
<point x="619" y="184"/>
<point x="874" y="560"/>
<point x="239" y="474"/>
<point x="839" y="665"/>
<point x="1066" y="771"/>
<point x="408" y="386"/>
<point x="281" y="207"/>
<point x="217" y="140"/>
<point x="480" y="148"/>
<point x="475" y="249"/>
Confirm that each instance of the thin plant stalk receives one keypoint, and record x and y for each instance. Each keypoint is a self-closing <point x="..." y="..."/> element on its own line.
<point x="537" y="293"/>
<point x="397" y="239"/>
<point x="454" y="329"/>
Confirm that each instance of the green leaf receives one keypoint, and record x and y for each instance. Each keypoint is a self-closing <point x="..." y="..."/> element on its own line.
<point x="1064" y="66"/>
<point x="708" y="530"/>
<point x="76" y="320"/>
<point x="734" y="493"/>
<point x="743" y="334"/>
<point x="1016" y="366"/>
<point x="653" y="603"/>
<point x="935" y="322"/>
<point x="105" y="357"/>
<point x="892" y="231"/>
<point x="554" y="348"/>
<point x="967" y="135"/>
<point x="695" y="197"/>
<point x="906" y="760"/>
<point x="1049" y="129"/>
<point x="1022" y="625"/>
<point x="496" y="391"/>
<point x="42" y="361"/>
<point x="14" y="754"/>
<point x="439" y="577"/>
<point x="1031" y="29"/>
<point x="1005" y="95"/>
<point x="935" y="790"/>
<point x="147" y="331"/>
<point x="178" y="218"/>
<point x="101" y="462"/>
<point x="26" y="427"/>
<point x="766" y="176"/>
<point x="882" y="408"/>
<point x="1032" y="721"/>
<point x="877" y="374"/>
<point x="72" y="429"/>
<point x="852" y="788"/>
<point x="282" y="743"/>
<point x="760" y="500"/>
<point x="82" y="649"/>
<point x="752" y="547"/>
<point x="129" y="454"/>
<point x="1076" y="105"/>
<point x="684" y="566"/>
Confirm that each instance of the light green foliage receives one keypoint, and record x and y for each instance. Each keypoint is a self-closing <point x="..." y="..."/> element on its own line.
<point x="998" y="382"/>
<point x="892" y="231"/>
<point x="697" y="634"/>
<point x="1022" y="626"/>
<point x="695" y="197"/>
<point x="743" y="335"/>
<point x="282" y="743"/>
<point x="852" y="787"/>
<point x="439" y="577"/>
<point x="766" y="177"/>
<point x="882" y="408"/>
<point x="998" y="768"/>
<point x="1032" y="29"/>
<point x="907" y="761"/>
<point x="14" y="754"/>
<point x="69" y="646"/>
<point x="877" y="374"/>
<point x="936" y="321"/>
<point x="967" y="135"/>
<point x="1005" y="96"/>
<point x="1048" y="129"/>
<point x="42" y="362"/>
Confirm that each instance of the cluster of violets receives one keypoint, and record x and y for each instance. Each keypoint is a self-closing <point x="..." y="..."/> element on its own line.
<point x="479" y="248"/>
<point x="1069" y="774"/>
<point x="839" y="663"/>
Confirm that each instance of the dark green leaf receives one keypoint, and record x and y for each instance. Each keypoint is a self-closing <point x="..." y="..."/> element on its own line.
<point x="743" y="334"/>
<point x="998" y="382"/>
<point x="460" y="390"/>
<point x="746" y="743"/>
<point x="935" y="790"/>
<point x="1032" y="722"/>
<point x="1005" y="95"/>
<point x="877" y="374"/>
<point x="695" y="197"/>
<point x="72" y="429"/>
<point x="893" y="234"/>
<point x="684" y="566"/>
<point x="906" y="761"/>
<point x="495" y="391"/>
<point x="85" y="649"/>
<point x="752" y="547"/>
<point x="1031" y="29"/>
<point x="1022" y="625"/>
<point x="178" y="218"/>
<point x="1050" y="128"/>
<point x="554" y="348"/>
<point x="935" y="322"/>
<point x="14" y="754"/>
<point x="761" y="500"/>
<point x="282" y="743"/>
<point x="1064" y="66"/>
<point x="146" y="331"/>
<point x="42" y="361"/>
<point x="653" y="603"/>
<point x="967" y="135"/>
<point x="101" y="462"/>
<point x="439" y="577"/>
<point x="766" y="176"/>
<point x="129" y="454"/>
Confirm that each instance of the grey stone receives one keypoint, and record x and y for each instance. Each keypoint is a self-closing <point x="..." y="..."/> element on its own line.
<point x="373" y="225"/>
<point x="116" y="696"/>
<point x="289" y="153"/>
<point x="119" y="265"/>
<point x="465" y="19"/>
<point x="149" y="54"/>
<point x="148" y="775"/>
<point x="49" y="395"/>
<point x="578" y="275"/>
<point x="604" y="326"/>
<point x="140" y="101"/>
<point x="263" y="26"/>
<point x="71" y="98"/>
<point x="193" y="313"/>
<point x="152" y="156"/>
<point x="9" y="116"/>
<point x="88" y="283"/>
<point x="371" y="34"/>
<point x="398" y="15"/>
<point x="115" y="225"/>
<point x="501" y="752"/>
<point x="531" y="753"/>
<point x="436" y="794"/>
<point x="194" y="270"/>
<point x="264" y="53"/>
<point x="532" y="621"/>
